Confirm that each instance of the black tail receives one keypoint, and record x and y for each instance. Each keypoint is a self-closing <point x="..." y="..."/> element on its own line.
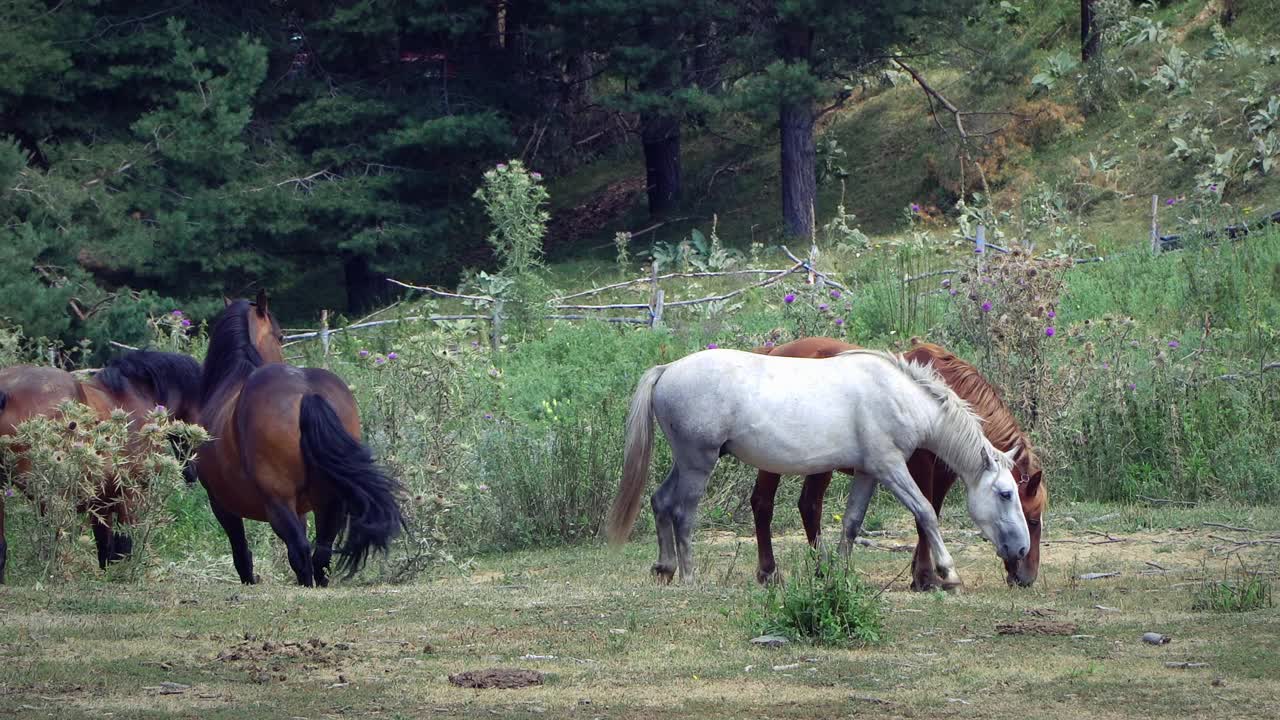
<point x="367" y="493"/>
<point x="4" y="400"/>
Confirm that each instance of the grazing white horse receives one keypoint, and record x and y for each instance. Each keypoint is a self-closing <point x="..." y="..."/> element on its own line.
<point x="863" y="411"/>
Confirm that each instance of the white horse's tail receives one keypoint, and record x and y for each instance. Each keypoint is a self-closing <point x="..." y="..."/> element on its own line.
<point x="636" y="456"/>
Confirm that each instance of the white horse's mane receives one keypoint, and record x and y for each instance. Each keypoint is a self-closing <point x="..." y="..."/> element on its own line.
<point x="958" y="438"/>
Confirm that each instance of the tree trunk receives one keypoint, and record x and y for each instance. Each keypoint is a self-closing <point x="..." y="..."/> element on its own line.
<point x="661" y="138"/>
<point x="1089" y="40"/>
<point x="796" y="121"/>
<point x="364" y="286"/>
<point x="799" y="174"/>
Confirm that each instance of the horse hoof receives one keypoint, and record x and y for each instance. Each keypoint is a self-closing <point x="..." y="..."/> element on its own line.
<point x="926" y="583"/>
<point x="768" y="577"/>
<point x="664" y="574"/>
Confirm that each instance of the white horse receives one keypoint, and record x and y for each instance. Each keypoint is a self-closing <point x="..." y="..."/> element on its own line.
<point x="863" y="411"/>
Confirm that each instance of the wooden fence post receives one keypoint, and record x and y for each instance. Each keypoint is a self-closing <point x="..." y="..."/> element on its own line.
<point x="655" y="309"/>
<point x="324" y="337"/>
<point x="496" y="339"/>
<point x="1155" y="224"/>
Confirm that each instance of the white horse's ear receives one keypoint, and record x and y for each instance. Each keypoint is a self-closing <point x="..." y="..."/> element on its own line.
<point x="1013" y="453"/>
<point x="992" y="463"/>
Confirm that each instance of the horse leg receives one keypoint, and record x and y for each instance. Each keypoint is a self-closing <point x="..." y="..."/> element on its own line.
<point x="693" y="477"/>
<point x="861" y="488"/>
<point x="810" y="504"/>
<point x="292" y="529"/>
<point x="100" y="521"/>
<point x="121" y="543"/>
<point x="899" y="482"/>
<point x="762" y="510"/>
<point x="233" y="525"/>
<point x="328" y="524"/>
<point x="665" y="568"/>
<point x="923" y="578"/>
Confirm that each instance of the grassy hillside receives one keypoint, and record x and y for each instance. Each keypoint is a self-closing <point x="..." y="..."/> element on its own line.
<point x="1051" y="160"/>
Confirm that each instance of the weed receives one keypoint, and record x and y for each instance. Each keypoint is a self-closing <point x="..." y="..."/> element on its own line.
<point x="824" y="601"/>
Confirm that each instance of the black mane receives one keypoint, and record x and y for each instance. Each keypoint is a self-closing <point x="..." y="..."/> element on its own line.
<point x="161" y="372"/>
<point x="231" y="352"/>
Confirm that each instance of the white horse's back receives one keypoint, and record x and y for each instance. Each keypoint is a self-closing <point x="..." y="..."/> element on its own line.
<point x="793" y="415"/>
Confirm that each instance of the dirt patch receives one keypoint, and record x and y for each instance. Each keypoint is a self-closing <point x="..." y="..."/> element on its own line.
<point x="496" y="678"/>
<point x="1036" y="627"/>
<point x="267" y="660"/>
<point x="590" y="216"/>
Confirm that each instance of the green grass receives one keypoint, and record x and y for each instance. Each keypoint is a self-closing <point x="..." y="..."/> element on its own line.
<point x="625" y="648"/>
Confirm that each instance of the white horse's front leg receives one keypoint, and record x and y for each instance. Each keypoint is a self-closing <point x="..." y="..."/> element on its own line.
<point x="861" y="488"/>
<point x="898" y="480"/>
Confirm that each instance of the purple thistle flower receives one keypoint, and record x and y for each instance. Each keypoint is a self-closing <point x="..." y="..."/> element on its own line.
<point x="1171" y="202"/>
<point x="839" y="321"/>
<point x="1106" y="366"/>
<point x="186" y="322"/>
<point x="8" y="492"/>
<point x="493" y="372"/>
<point x="475" y="343"/>
<point x="1132" y="386"/>
<point x="363" y="353"/>
<point x="789" y="298"/>
<point x="915" y="207"/>
<point x="160" y="409"/>
<point x="392" y="356"/>
<point x="712" y="346"/>
<point x="822" y="307"/>
<point x="482" y="487"/>
<point x="954" y="292"/>
<point x="502" y="167"/>
<point x="986" y="307"/>
<point x="1051" y="314"/>
<point x="176" y="313"/>
<point x="835" y="294"/>
<point x="1049" y="331"/>
<point x="379" y="360"/>
<point x="536" y="176"/>
<point x="1213" y="187"/>
<point x="768" y="343"/>
<point x="488" y="416"/>
<point x="1174" y="344"/>
<point x="977" y="249"/>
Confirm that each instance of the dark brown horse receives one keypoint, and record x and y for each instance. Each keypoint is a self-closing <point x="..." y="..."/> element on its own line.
<point x="135" y="382"/>
<point x="932" y="476"/>
<point x="286" y="443"/>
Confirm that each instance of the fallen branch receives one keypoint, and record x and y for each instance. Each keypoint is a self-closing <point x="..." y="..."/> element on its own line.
<point x="739" y="291"/>
<point x="1233" y="528"/>
<point x="1165" y="501"/>
<point x="805" y="264"/>
<point x="441" y="293"/>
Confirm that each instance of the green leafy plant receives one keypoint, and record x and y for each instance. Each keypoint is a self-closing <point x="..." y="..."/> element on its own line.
<point x="1240" y="591"/>
<point x="1056" y="68"/>
<point x="823" y="601"/>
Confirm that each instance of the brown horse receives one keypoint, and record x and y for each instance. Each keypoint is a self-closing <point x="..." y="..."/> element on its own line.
<point x="134" y="382"/>
<point x="287" y="442"/>
<point x="932" y="476"/>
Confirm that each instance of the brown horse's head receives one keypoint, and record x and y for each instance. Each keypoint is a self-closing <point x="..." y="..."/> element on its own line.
<point x="1034" y="496"/>
<point x="243" y="337"/>
<point x="1003" y="431"/>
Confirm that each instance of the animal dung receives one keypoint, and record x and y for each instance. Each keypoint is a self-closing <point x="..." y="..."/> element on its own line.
<point x="496" y="678"/>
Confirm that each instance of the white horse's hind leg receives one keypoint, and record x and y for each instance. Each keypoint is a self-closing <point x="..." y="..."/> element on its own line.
<point x="861" y="488"/>
<point x="665" y="568"/>
<point x="899" y="482"/>
<point x="692" y="475"/>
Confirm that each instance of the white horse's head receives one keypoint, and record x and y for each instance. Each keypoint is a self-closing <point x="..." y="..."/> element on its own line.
<point x="995" y="507"/>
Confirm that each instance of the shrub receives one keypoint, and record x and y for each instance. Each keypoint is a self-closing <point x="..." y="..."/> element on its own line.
<point x="824" y="601"/>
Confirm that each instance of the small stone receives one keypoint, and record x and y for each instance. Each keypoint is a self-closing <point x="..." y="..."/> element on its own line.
<point x="770" y="640"/>
<point x="1153" y="638"/>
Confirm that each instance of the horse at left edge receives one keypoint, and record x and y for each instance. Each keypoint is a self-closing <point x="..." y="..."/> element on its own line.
<point x="286" y="442"/>
<point x="135" y="382"/>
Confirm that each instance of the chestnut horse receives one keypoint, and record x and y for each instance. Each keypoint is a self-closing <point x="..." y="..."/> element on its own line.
<point x="286" y="442"/>
<point x="932" y="475"/>
<point x="134" y="382"/>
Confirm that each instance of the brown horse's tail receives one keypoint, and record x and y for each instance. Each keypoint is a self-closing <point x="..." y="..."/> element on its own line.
<point x="368" y="495"/>
<point x="635" y="460"/>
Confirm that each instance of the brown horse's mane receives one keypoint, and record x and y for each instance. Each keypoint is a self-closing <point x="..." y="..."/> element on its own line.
<point x="998" y="421"/>
<point x="161" y="373"/>
<point x="232" y="354"/>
